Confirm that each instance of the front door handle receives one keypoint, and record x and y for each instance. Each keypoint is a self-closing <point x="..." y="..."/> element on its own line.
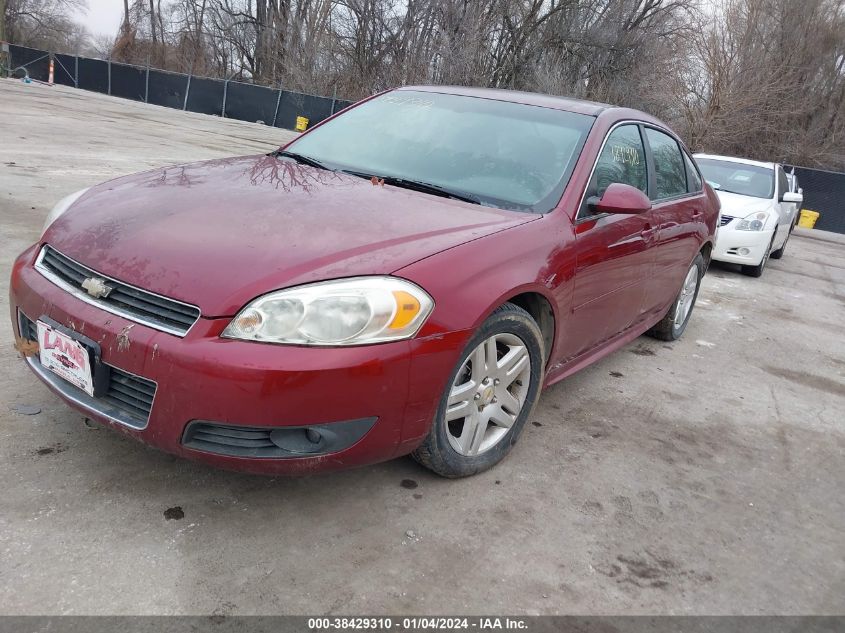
<point x="648" y="231"/>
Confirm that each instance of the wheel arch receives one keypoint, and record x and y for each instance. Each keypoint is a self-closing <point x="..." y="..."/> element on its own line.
<point x="540" y="309"/>
<point x="706" y="252"/>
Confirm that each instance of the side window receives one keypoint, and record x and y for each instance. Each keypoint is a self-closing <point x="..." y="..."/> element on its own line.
<point x="621" y="160"/>
<point x="669" y="173"/>
<point x="693" y="177"/>
<point x="783" y="183"/>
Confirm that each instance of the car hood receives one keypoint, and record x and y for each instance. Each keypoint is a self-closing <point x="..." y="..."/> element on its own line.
<point x="739" y="206"/>
<point x="219" y="233"/>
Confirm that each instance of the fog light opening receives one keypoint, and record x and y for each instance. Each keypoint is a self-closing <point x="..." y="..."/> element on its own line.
<point x="744" y="251"/>
<point x="300" y="440"/>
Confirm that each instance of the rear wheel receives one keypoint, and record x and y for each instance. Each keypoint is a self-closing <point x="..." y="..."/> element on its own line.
<point x="672" y="326"/>
<point x="489" y="397"/>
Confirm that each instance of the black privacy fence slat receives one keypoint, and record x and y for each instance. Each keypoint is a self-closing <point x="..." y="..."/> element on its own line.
<point x="128" y="81"/>
<point x="824" y="192"/>
<point x="232" y="99"/>
<point x="249" y="102"/>
<point x="167" y="89"/>
<point x="35" y="62"/>
<point x="65" y="70"/>
<point x="93" y="75"/>
<point x="206" y="96"/>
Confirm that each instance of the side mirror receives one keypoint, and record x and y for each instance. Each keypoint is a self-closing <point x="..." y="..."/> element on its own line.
<point x="621" y="198"/>
<point x="789" y="196"/>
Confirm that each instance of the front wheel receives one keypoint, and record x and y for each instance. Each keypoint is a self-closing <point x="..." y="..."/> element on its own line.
<point x="757" y="271"/>
<point x="779" y="252"/>
<point x="672" y="326"/>
<point x="488" y="398"/>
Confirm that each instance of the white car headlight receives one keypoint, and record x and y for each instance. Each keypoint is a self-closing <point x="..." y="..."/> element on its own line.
<point x="355" y="311"/>
<point x="61" y="206"/>
<point x="754" y="222"/>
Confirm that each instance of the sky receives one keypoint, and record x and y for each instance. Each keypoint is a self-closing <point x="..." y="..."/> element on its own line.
<point x="102" y="17"/>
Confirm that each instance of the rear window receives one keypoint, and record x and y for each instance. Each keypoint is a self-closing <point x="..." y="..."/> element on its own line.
<point x="670" y="175"/>
<point x="693" y="178"/>
<point x="509" y="155"/>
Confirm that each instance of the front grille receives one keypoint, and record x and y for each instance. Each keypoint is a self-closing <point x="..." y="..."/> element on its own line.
<point x="127" y="301"/>
<point x="726" y="219"/>
<point x="131" y="393"/>
<point x="128" y="398"/>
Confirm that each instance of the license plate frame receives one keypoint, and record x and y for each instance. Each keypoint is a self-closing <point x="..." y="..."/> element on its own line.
<point x="71" y="356"/>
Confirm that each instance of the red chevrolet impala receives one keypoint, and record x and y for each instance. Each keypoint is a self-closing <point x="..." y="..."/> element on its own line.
<point x="403" y="278"/>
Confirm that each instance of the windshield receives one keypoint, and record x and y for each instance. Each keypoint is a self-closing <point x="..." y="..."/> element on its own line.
<point x="506" y="155"/>
<point x="746" y="180"/>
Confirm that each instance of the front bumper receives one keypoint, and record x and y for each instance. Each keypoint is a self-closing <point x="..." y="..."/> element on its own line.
<point x="203" y="377"/>
<point x="741" y="247"/>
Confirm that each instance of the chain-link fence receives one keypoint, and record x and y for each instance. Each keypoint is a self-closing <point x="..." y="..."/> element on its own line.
<point x="229" y="99"/>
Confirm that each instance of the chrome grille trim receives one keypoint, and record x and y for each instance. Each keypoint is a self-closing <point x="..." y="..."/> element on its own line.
<point x="125" y="300"/>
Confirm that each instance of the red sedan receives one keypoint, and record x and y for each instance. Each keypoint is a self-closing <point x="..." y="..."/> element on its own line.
<point x="403" y="278"/>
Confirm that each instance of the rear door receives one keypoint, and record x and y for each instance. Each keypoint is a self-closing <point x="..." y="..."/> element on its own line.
<point x="613" y="259"/>
<point x="677" y="191"/>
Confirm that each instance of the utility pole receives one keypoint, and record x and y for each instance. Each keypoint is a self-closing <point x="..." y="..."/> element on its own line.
<point x="4" y="46"/>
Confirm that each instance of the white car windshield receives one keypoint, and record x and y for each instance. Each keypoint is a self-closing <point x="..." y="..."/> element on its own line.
<point x="746" y="180"/>
<point x="501" y="154"/>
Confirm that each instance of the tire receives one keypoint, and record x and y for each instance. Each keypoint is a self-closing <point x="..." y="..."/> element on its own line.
<point x="469" y="444"/>
<point x="671" y="327"/>
<point x="779" y="252"/>
<point x="757" y="271"/>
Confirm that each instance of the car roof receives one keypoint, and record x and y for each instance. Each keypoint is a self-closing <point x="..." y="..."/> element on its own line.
<point x="578" y="106"/>
<point x="734" y="159"/>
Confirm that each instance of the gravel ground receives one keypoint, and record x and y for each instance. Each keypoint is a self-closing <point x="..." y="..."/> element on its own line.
<point x="701" y="477"/>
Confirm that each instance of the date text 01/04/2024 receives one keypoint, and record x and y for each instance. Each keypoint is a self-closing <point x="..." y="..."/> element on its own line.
<point x="418" y="623"/>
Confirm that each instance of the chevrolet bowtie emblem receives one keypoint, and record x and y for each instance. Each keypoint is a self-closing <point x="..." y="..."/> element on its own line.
<point x="96" y="287"/>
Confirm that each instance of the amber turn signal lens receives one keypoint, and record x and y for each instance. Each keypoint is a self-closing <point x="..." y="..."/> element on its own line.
<point x="248" y="321"/>
<point x="407" y="307"/>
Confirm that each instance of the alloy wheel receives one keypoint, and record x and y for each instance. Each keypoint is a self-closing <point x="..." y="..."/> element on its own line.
<point x="488" y="394"/>
<point x="687" y="297"/>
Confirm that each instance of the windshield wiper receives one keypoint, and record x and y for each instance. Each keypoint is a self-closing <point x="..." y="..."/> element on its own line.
<point x="301" y="159"/>
<point x="418" y="185"/>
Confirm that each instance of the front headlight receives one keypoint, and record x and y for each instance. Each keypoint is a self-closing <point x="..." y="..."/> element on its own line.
<point x="754" y="222"/>
<point x="353" y="311"/>
<point x="61" y="206"/>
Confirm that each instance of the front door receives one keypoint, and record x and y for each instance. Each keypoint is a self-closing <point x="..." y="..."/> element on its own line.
<point x="613" y="258"/>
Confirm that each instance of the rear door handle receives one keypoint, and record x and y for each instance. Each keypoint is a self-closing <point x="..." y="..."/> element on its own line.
<point x="696" y="213"/>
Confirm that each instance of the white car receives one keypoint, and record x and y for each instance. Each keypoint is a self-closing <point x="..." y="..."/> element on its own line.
<point x="759" y="209"/>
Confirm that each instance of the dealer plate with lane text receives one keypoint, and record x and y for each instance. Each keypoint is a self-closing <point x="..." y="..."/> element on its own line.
<point x="65" y="357"/>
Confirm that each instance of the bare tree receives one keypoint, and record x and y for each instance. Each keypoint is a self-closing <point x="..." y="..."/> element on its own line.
<point x="44" y="24"/>
<point x="760" y="78"/>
